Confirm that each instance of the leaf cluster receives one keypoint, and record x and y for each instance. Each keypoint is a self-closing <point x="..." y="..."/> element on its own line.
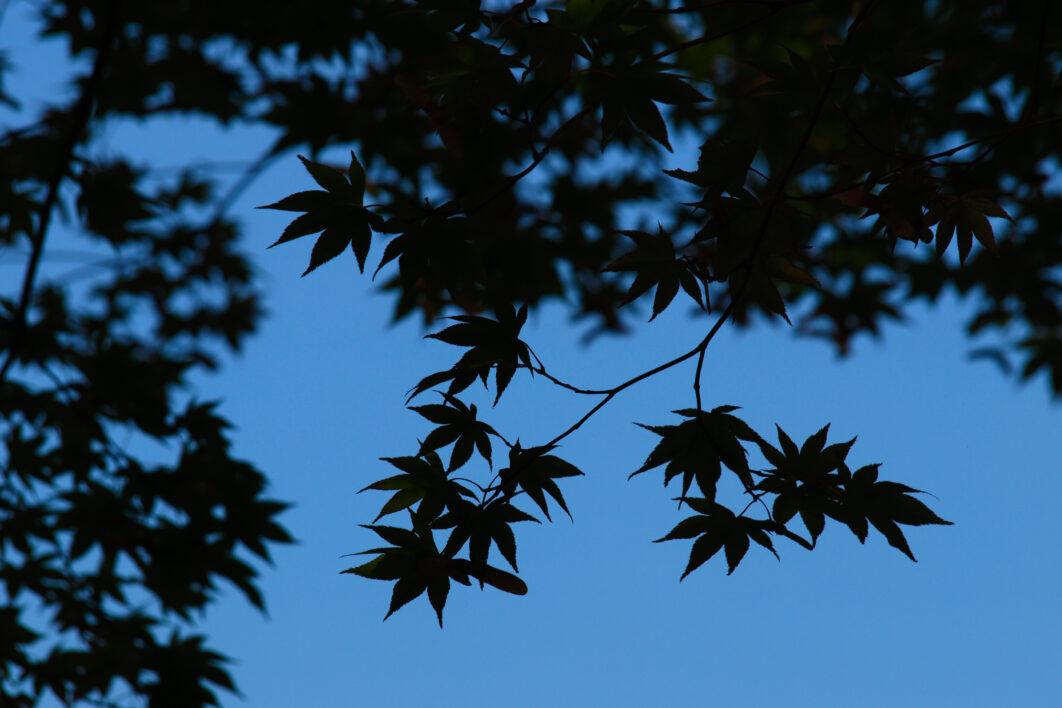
<point x="437" y="502"/>
<point x="811" y="481"/>
<point x="336" y="212"/>
<point x="123" y="511"/>
<point x="492" y="344"/>
<point x="512" y="155"/>
<point x="525" y="157"/>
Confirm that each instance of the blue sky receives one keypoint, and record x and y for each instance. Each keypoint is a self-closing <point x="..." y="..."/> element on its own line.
<point x="318" y="396"/>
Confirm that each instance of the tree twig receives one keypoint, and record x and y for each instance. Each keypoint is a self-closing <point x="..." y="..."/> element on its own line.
<point x="79" y="120"/>
<point x="705" y="39"/>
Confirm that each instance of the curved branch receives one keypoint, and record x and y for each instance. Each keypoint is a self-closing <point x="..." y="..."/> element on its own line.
<point x="511" y="180"/>
<point x="541" y="369"/>
<point x="250" y="174"/>
<point x="701" y="348"/>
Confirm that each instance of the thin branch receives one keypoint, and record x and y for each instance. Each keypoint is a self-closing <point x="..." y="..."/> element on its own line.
<point x="615" y="390"/>
<point x="710" y="4"/>
<point x="563" y="384"/>
<point x="541" y="369"/>
<point x="863" y="136"/>
<point x="699" y="349"/>
<point x="1034" y="97"/>
<point x="702" y="346"/>
<point x="927" y="158"/>
<point x="780" y="529"/>
<point x="757" y="497"/>
<point x="251" y="173"/>
<point x="705" y="39"/>
<point x="787" y="174"/>
<point x="470" y="481"/>
<point x="79" y="120"/>
<point x="697" y="379"/>
<point x="511" y="180"/>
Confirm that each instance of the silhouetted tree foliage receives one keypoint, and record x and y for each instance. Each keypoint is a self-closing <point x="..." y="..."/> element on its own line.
<point x="853" y="159"/>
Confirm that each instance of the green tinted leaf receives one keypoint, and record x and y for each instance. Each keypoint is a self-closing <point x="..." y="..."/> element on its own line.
<point x="402" y="499"/>
<point x="395" y="535"/>
<point x="399" y="481"/>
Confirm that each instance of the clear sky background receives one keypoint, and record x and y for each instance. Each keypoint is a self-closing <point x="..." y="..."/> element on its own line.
<point x="318" y="396"/>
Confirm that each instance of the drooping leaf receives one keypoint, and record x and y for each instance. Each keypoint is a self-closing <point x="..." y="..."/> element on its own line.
<point x="423" y="481"/>
<point x="493" y="344"/>
<point x="534" y="472"/>
<point x="458" y="425"/>
<point x="697" y="448"/>
<point x="655" y="262"/>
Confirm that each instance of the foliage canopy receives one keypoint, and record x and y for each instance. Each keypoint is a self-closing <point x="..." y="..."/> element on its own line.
<point x="851" y="159"/>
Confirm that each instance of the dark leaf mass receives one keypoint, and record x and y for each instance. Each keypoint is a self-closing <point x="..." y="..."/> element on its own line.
<point x="502" y="157"/>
